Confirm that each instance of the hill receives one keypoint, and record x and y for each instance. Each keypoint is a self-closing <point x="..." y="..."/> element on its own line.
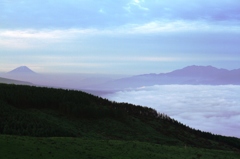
<point x="192" y="75"/>
<point x="11" y="81"/>
<point x="48" y="107"/>
<point x="46" y="112"/>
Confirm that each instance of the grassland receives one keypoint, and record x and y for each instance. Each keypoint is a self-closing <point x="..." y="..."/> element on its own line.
<point x="13" y="147"/>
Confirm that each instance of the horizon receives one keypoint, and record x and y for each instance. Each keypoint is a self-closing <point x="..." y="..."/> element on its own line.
<point x="123" y="37"/>
<point x="24" y="66"/>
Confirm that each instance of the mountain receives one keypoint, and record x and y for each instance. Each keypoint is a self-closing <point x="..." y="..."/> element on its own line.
<point x="11" y="81"/>
<point x="47" y="112"/>
<point x="22" y="70"/>
<point x="192" y="75"/>
<point x="198" y="71"/>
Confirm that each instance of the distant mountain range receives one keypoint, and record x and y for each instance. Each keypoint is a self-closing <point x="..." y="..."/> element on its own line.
<point x="192" y="75"/>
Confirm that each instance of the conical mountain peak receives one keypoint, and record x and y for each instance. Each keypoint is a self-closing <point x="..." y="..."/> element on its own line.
<point x="22" y="70"/>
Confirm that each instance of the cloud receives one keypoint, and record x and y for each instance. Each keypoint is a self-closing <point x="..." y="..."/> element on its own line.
<point x="135" y="3"/>
<point x="22" y="38"/>
<point x="196" y="10"/>
<point x="144" y="48"/>
<point x="31" y="38"/>
<point x="46" y="34"/>
<point x="213" y="109"/>
<point x="87" y="14"/>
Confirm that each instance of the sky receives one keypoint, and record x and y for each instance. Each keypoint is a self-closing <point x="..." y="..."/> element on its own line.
<point x="118" y="37"/>
<point x="214" y="109"/>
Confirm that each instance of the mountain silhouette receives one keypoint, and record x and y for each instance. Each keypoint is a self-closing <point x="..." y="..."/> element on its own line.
<point x="198" y="71"/>
<point x="22" y="70"/>
<point x="191" y="75"/>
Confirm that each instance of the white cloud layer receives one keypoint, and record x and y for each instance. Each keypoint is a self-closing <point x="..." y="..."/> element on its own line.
<point x="69" y="13"/>
<point x="213" y="109"/>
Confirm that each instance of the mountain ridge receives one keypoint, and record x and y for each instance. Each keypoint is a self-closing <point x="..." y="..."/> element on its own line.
<point x="191" y="69"/>
<point x="11" y="81"/>
<point x="192" y="75"/>
<point x="197" y="71"/>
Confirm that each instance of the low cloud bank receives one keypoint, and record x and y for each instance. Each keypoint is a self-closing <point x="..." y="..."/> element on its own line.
<point x="214" y="109"/>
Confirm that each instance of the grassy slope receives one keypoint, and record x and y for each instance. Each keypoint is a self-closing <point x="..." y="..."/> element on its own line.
<point x="104" y="128"/>
<point x="13" y="147"/>
<point x="106" y="132"/>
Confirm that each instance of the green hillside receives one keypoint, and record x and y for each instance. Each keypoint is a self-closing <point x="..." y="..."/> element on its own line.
<point x="74" y="117"/>
<point x="13" y="147"/>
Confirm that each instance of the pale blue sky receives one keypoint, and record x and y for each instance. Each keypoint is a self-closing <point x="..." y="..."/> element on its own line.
<point x="122" y="36"/>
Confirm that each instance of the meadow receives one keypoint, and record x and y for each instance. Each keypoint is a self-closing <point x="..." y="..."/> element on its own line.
<point x="13" y="147"/>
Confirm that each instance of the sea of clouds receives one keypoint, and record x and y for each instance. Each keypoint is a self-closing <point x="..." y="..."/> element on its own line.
<point x="214" y="109"/>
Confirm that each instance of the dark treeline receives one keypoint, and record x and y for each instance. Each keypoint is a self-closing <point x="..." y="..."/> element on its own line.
<point x="14" y="119"/>
<point x="69" y="102"/>
<point x="73" y="103"/>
